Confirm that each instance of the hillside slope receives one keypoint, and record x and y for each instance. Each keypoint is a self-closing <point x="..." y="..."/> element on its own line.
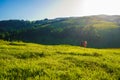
<point x="28" y="61"/>
<point x="101" y="31"/>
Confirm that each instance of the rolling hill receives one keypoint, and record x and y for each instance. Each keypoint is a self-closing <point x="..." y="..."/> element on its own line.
<point x="100" y="31"/>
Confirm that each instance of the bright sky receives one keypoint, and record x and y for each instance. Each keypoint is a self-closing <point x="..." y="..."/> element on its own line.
<point x="40" y="9"/>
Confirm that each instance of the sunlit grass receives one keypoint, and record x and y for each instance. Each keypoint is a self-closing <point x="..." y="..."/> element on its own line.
<point x="28" y="61"/>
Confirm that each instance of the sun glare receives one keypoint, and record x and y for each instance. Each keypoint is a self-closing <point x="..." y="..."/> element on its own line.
<point x="95" y="7"/>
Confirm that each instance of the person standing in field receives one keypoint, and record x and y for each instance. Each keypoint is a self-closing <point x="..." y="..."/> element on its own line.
<point x="84" y="44"/>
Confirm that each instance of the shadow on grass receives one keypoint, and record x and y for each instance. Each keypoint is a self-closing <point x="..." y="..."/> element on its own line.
<point x="29" y="55"/>
<point x="95" y="54"/>
<point x="83" y="63"/>
<point x="17" y="44"/>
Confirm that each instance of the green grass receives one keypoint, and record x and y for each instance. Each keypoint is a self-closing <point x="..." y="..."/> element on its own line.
<point x="28" y="61"/>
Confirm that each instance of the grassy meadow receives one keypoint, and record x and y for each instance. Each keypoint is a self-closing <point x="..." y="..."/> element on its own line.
<point x="28" y="61"/>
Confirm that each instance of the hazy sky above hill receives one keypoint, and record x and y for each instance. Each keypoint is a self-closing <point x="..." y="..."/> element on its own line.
<point x="40" y="9"/>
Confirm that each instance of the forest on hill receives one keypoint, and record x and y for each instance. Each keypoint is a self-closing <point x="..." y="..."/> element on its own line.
<point x="100" y="31"/>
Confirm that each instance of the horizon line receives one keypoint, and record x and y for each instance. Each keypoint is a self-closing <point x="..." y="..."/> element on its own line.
<point x="61" y="17"/>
